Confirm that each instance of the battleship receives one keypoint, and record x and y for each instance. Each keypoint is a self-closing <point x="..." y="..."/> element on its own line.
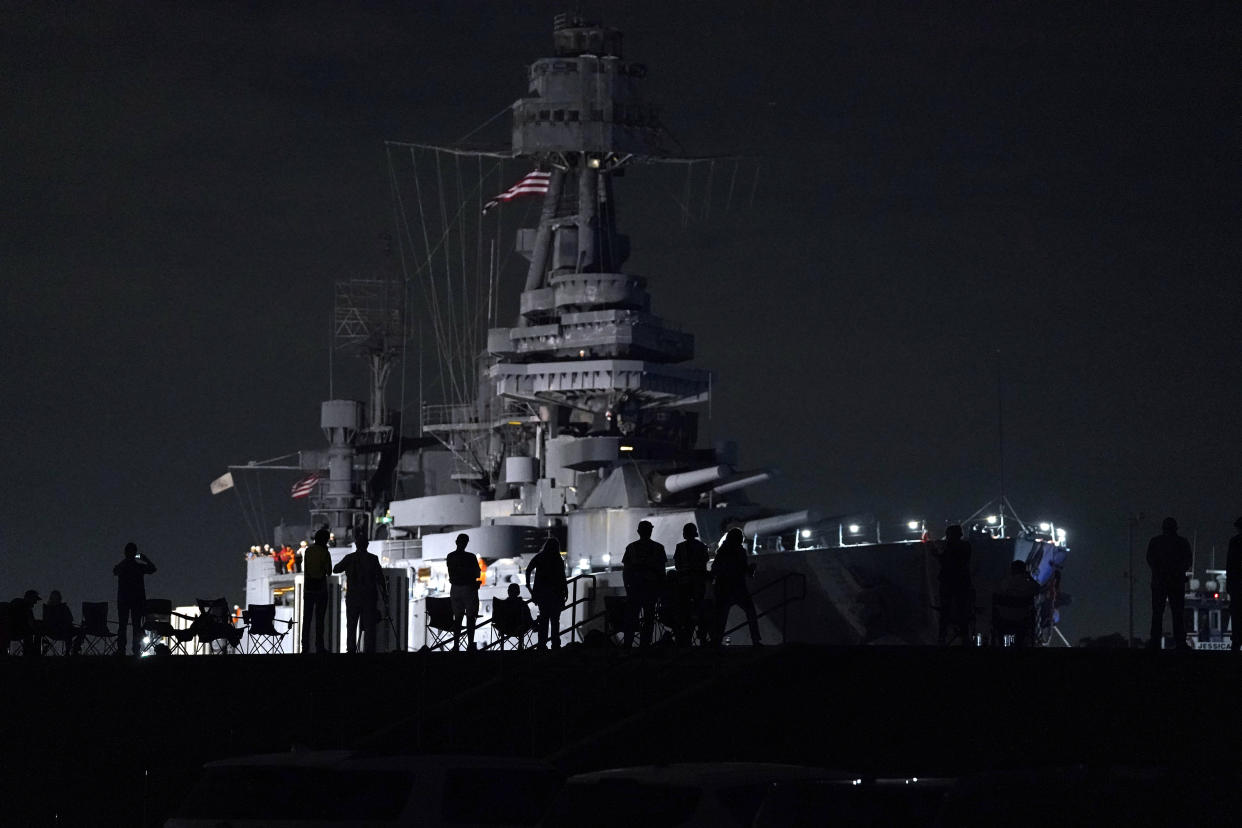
<point x="581" y="417"/>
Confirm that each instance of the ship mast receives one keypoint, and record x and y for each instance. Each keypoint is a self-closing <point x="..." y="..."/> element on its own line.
<point x="586" y="340"/>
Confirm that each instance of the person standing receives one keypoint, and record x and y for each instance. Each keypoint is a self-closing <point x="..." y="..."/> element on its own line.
<point x="690" y="562"/>
<point x="730" y="571"/>
<point x="957" y="603"/>
<point x="463" y="571"/>
<point x="1233" y="583"/>
<point x="642" y="570"/>
<point x="317" y="566"/>
<point x="131" y="595"/>
<point x="363" y="585"/>
<point x="1169" y="556"/>
<point x="549" y="589"/>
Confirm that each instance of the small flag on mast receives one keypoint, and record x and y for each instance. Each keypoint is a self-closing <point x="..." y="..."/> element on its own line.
<point x="304" y="486"/>
<point x="533" y="182"/>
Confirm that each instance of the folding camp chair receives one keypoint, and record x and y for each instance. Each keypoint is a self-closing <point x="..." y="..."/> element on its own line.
<point x="614" y="615"/>
<point x="157" y="616"/>
<point x="261" y="633"/>
<point x="215" y="623"/>
<point x="509" y="625"/>
<point x="58" y="631"/>
<point x="97" y="637"/>
<point x="438" y="628"/>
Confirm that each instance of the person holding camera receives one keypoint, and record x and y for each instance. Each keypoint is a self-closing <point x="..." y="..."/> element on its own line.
<point x="131" y="595"/>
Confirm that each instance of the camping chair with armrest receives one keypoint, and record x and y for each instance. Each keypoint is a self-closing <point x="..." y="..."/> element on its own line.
<point x="215" y="623"/>
<point x="97" y="638"/>
<point x="157" y="616"/>
<point x="261" y="633"/>
<point x="614" y="615"/>
<point x="57" y="629"/>
<point x="438" y="626"/>
<point x="508" y="623"/>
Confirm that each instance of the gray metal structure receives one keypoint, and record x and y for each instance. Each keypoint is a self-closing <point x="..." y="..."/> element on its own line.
<point x="586" y="418"/>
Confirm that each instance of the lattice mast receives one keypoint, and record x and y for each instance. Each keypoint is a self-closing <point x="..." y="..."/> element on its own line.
<point x="368" y="322"/>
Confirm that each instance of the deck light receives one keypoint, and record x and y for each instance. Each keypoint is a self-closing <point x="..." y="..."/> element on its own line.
<point x="584" y="563"/>
<point x="991" y="520"/>
<point x="912" y="525"/>
<point x="806" y="533"/>
<point x="1060" y="536"/>
<point x="626" y="448"/>
<point x="854" y="528"/>
<point x="607" y="558"/>
<point x="1045" y="526"/>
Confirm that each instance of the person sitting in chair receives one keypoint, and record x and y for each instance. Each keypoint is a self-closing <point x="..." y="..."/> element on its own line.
<point x="1016" y="607"/>
<point x="58" y="623"/>
<point x="517" y="616"/>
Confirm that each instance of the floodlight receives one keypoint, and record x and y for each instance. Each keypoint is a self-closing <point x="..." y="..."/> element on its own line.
<point x="806" y="533"/>
<point x="584" y="563"/>
<point x="854" y="528"/>
<point x="992" y="520"/>
<point x="1045" y="526"/>
<point x="912" y="525"/>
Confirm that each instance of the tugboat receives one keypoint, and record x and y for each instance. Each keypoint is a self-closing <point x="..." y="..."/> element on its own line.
<point x="581" y="418"/>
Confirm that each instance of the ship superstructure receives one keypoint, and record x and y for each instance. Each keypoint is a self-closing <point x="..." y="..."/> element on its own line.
<point x="579" y="419"/>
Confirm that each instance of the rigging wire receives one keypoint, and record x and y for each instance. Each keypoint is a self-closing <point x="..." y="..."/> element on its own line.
<point x="504" y="109"/>
<point x="732" y="181"/>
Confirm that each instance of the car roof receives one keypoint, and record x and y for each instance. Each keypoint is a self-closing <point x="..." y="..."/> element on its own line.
<point x="706" y="772"/>
<point x="330" y="758"/>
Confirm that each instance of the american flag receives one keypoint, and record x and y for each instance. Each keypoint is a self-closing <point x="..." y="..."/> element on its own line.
<point x="533" y="182"/>
<point x="304" y="486"/>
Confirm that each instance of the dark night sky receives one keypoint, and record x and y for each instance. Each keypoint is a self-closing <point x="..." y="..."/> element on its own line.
<point x="182" y="184"/>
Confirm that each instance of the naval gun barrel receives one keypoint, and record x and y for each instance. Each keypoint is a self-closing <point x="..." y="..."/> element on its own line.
<point x="741" y="481"/>
<point x="779" y="523"/>
<point x="699" y="477"/>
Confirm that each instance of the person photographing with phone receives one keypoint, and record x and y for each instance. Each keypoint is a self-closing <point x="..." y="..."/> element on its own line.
<point x="131" y="595"/>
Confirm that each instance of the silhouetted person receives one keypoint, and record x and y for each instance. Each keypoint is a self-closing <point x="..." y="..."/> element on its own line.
<point x="362" y="593"/>
<point x="549" y="589"/>
<point x="957" y="603"/>
<point x="642" y="570"/>
<point x="730" y="571"/>
<point x="1169" y="556"/>
<point x="690" y="562"/>
<point x="1233" y="583"/>
<point x="58" y="622"/>
<point x="21" y="626"/>
<point x="316" y="567"/>
<point x="1017" y="614"/>
<point x="131" y="595"/>
<point x="520" y="621"/>
<point x="463" y="571"/>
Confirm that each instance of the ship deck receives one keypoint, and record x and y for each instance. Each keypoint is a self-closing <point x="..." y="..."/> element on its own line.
<point x="124" y="737"/>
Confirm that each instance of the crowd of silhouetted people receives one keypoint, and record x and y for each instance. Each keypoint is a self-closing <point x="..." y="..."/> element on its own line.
<point x="691" y="600"/>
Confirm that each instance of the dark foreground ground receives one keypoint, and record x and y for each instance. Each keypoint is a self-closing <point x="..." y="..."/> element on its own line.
<point x="107" y="741"/>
